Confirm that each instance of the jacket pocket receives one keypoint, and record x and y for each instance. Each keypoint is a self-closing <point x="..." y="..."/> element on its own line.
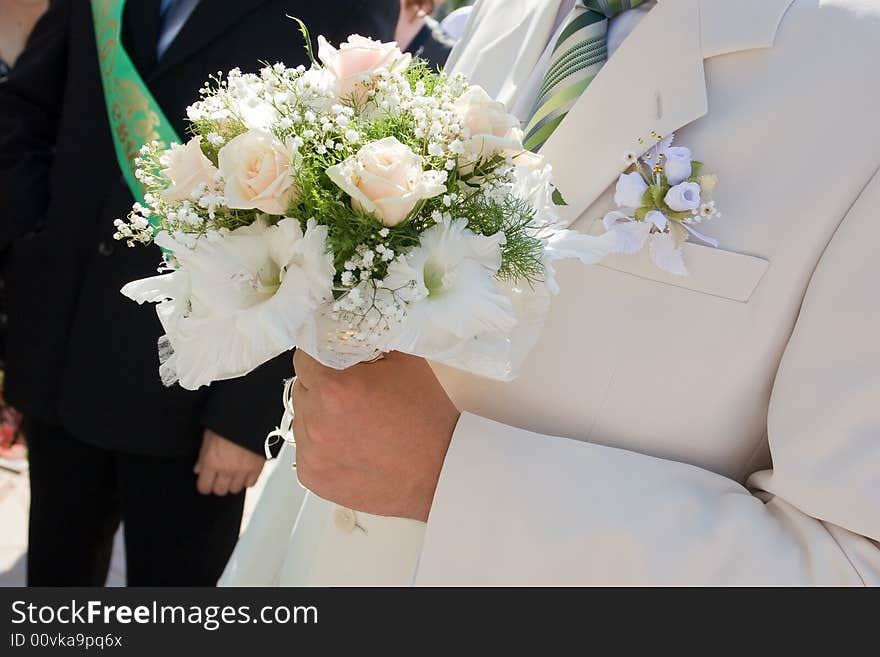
<point x="716" y="272"/>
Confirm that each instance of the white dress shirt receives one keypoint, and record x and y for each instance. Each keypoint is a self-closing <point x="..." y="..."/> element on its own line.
<point x="619" y="28"/>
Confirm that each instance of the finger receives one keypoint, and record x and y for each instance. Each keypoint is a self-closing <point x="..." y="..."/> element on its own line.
<point x="251" y="479"/>
<point x="205" y="483"/>
<point x="237" y="483"/>
<point x="221" y="484"/>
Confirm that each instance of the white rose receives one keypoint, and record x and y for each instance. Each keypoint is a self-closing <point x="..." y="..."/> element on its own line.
<point x="357" y="60"/>
<point x="487" y="125"/>
<point x="188" y="169"/>
<point x="684" y="197"/>
<point x="258" y="170"/>
<point x="631" y="188"/>
<point x="386" y="179"/>
<point x="677" y="165"/>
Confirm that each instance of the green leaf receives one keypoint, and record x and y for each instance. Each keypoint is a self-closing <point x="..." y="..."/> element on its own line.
<point x="658" y="193"/>
<point x="641" y="213"/>
<point x="678" y="216"/>
<point x="558" y="198"/>
<point x="308" y="38"/>
<point x="696" y="167"/>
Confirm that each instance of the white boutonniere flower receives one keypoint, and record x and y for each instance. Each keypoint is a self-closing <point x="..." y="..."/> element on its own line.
<point x="660" y="198"/>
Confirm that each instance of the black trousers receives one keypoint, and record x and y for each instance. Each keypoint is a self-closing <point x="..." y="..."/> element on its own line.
<point x="80" y="493"/>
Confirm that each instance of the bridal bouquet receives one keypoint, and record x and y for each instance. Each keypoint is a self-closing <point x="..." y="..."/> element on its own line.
<point x="362" y="205"/>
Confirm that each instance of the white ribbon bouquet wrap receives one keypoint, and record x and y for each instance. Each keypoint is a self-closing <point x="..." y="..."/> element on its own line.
<point x="363" y="205"/>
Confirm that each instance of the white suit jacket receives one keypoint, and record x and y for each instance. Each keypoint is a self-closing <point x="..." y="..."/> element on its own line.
<point x="722" y="428"/>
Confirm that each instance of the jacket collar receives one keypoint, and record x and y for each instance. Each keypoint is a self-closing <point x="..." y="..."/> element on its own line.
<point x="503" y="43"/>
<point x="209" y="20"/>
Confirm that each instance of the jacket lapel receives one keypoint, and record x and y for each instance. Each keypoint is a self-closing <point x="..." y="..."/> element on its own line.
<point x="140" y="32"/>
<point x="654" y="82"/>
<point x="209" y="19"/>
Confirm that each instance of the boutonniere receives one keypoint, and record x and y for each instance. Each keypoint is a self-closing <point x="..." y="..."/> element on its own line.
<point x="661" y="197"/>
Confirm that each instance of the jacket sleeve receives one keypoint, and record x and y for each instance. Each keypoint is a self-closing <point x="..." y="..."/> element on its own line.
<point x="246" y="409"/>
<point x="30" y="102"/>
<point x="513" y="507"/>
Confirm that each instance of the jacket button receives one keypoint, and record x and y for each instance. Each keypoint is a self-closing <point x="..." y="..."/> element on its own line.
<point x="345" y="519"/>
<point x="105" y="248"/>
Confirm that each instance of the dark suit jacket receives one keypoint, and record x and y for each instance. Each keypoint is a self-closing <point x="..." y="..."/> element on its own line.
<point x="79" y="354"/>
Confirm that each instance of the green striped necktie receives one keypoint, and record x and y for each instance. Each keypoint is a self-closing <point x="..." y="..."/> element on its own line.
<point x="579" y="53"/>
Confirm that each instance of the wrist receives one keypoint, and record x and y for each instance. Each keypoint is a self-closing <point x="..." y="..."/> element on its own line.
<point x="426" y="490"/>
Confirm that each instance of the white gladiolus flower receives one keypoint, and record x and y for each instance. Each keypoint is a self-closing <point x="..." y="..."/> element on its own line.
<point x="535" y="185"/>
<point x="452" y="289"/>
<point x="239" y="300"/>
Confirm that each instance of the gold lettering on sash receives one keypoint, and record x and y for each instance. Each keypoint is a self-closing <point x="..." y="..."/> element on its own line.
<point x="135" y="117"/>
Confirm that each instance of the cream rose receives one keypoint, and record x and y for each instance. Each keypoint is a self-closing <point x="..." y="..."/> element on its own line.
<point x="357" y="60"/>
<point x="188" y="170"/>
<point x="258" y="170"/>
<point x="488" y="127"/>
<point x="386" y="179"/>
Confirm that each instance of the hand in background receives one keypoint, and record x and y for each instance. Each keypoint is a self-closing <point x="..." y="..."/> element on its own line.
<point x="224" y="467"/>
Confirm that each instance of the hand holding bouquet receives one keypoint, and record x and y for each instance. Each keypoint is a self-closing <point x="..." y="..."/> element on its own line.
<point x="364" y="205"/>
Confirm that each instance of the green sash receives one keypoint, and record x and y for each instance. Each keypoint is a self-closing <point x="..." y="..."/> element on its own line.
<point x="135" y="117"/>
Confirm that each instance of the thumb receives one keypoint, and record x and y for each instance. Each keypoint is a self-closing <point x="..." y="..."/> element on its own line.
<point x="206" y="438"/>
